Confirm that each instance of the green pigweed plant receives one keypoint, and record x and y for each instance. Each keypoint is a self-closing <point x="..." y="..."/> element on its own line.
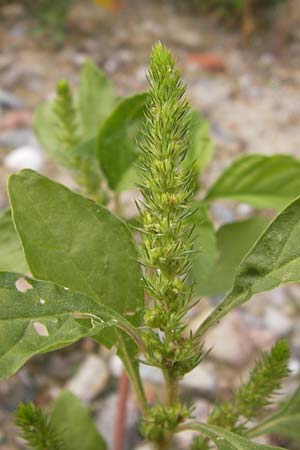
<point x="91" y="279"/>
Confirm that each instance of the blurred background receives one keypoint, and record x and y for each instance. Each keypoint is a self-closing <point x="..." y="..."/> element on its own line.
<point x="241" y="61"/>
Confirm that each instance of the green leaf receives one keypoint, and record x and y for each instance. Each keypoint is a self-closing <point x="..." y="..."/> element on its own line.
<point x="75" y="425"/>
<point x="201" y="147"/>
<point x="96" y="99"/>
<point x="272" y="261"/>
<point x="262" y="181"/>
<point x="225" y="440"/>
<point x="40" y="316"/>
<point x="285" y="422"/>
<point x="204" y="246"/>
<point x="11" y="255"/>
<point x="95" y="102"/>
<point x="76" y="243"/>
<point x="117" y="147"/>
<point x="131" y="366"/>
<point x="234" y="240"/>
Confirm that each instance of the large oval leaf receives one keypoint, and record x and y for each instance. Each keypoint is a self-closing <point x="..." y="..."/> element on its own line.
<point x="40" y="316"/>
<point x="75" y="242"/>
<point x="262" y="181"/>
<point x="272" y="261"/>
<point x="225" y="440"/>
<point x="117" y="147"/>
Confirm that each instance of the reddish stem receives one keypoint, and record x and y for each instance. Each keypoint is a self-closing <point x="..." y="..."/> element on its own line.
<point x="120" y="424"/>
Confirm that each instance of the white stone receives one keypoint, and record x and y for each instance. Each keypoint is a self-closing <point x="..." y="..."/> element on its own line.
<point x="277" y="322"/>
<point x="145" y="446"/>
<point x="115" y="366"/>
<point x="203" y="378"/>
<point x="152" y="374"/>
<point x="230" y="341"/>
<point x="29" y="157"/>
<point x="90" y="380"/>
<point x="106" y="419"/>
<point x="294" y="366"/>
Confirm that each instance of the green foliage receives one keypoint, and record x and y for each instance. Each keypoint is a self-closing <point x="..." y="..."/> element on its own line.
<point x="92" y="278"/>
<point x="67" y="127"/>
<point x="68" y="426"/>
<point x="206" y="250"/>
<point x="96" y="99"/>
<point x="284" y="422"/>
<point x="117" y="147"/>
<point x="262" y="181"/>
<point x="201" y="147"/>
<point x="90" y="130"/>
<point x="40" y="316"/>
<point x="70" y="240"/>
<point x="167" y="189"/>
<point x="65" y="114"/>
<point x="74" y="424"/>
<point x="225" y="440"/>
<point x="265" y="379"/>
<point x="37" y="428"/>
<point x="271" y="262"/>
<point x="232" y="242"/>
<point x="162" y="420"/>
<point x="11" y="255"/>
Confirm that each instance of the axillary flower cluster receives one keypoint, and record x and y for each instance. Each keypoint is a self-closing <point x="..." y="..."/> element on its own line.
<point x="167" y="188"/>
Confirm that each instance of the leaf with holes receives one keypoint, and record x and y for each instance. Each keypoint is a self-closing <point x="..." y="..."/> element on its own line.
<point x="274" y="260"/>
<point x="262" y="181"/>
<point x="40" y="316"/>
<point x="76" y="243"/>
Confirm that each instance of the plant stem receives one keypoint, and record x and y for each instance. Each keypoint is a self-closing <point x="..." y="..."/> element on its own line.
<point x="121" y="413"/>
<point x="171" y="388"/>
<point x="133" y="375"/>
<point x="165" y="444"/>
<point x="117" y="204"/>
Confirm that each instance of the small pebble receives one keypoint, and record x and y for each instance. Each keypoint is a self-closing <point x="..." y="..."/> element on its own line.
<point x="277" y="322"/>
<point x="90" y="380"/>
<point x="24" y="157"/>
